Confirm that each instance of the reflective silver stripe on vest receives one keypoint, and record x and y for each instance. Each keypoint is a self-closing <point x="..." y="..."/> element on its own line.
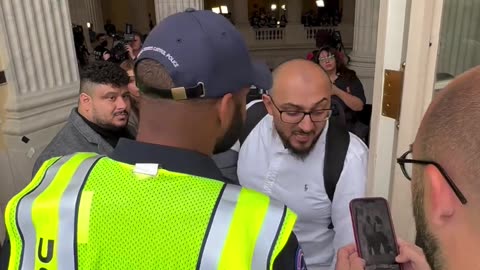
<point x="24" y="215"/>
<point x="68" y="215"/>
<point x="219" y="228"/>
<point x="268" y="234"/>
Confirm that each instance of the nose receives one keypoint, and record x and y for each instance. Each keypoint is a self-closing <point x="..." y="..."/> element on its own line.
<point x="123" y="103"/>
<point x="306" y="125"/>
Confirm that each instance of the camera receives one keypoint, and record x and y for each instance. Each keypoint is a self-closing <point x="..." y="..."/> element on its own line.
<point x="119" y="52"/>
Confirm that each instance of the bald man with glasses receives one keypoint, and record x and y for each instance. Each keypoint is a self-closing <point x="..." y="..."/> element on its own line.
<point x="444" y="169"/>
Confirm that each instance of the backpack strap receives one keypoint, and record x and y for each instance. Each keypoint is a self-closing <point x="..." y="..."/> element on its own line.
<point x="336" y="147"/>
<point x="256" y="111"/>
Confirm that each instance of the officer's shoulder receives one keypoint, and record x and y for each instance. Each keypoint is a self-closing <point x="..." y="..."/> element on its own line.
<point x="258" y="195"/>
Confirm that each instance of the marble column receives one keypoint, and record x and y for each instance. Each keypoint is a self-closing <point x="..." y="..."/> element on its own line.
<point x="365" y="43"/>
<point x="294" y="31"/>
<point x="294" y="11"/>
<point x="139" y="16"/>
<point x="83" y="11"/>
<point x="39" y="60"/>
<point x="165" y="8"/>
<point x="96" y="15"/>
<point x="459" y="47"/>
<point x="240" y="13"/>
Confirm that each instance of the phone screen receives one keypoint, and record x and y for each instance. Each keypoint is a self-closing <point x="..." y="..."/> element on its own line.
<point x="374" y="233"/>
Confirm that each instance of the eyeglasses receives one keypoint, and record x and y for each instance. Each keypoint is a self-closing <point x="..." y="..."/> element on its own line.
<point x="295" y="117"/>
<point x="406" y="163"/>
<point x="329" y="58"/>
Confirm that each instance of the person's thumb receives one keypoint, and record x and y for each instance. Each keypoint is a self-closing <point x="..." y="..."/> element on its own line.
<point x="357" y="264"/>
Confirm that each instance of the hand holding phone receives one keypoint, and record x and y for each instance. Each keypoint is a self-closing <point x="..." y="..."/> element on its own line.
<point x="411" y="257"/>
<point x="374" y="234"/>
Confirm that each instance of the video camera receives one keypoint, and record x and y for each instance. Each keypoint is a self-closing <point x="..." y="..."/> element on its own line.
<point x="119" y="52"/>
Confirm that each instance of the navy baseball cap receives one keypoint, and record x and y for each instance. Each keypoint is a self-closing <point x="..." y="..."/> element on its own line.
<point x="204" y="54"/>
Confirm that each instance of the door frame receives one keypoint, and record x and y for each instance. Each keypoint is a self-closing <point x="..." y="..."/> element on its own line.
<point x="390" y="138"/>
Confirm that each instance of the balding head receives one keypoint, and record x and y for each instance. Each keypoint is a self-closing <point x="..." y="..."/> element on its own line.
<point x="299" y="86"/>
<point x="295" y="72"/>
<point x="449" y="135"/>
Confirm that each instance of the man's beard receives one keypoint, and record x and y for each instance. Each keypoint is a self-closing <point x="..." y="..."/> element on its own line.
<point x="232" y="134"/>
<point x="301" y="154"/>
<point x="107" y="125"/>
<point x="425" y="238"/>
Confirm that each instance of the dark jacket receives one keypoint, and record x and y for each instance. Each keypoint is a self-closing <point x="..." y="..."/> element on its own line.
<point x="75" y="136"/>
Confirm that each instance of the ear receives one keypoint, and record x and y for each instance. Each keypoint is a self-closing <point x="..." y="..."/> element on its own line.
<point x="440" y="199"/>
<point x="226" y="110"/>
<point x="267" y="100"/>
<point x="85" y="100"/>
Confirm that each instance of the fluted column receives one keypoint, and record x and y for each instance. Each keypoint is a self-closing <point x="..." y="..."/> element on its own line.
<point x="97" y="18"/>
<point x="365" y="31"/>
<point x="458" y="51"/>
<point x="39" y="37"/>
<point x="294" y="31"/>
<point x="240" y="13"/>
<point x="139" y="15"/>
<point x="365" y="42"/>
<point x="42" y="86"/>
<point x="294" y="11"/>
<point x="83" y="11"/>
<point x="165" y="8"/>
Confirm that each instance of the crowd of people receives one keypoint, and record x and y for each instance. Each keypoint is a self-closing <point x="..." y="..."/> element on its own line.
<point x="155" y="169"/>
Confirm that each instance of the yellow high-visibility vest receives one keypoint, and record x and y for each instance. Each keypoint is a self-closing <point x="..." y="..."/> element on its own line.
<point x="86" y="211"/>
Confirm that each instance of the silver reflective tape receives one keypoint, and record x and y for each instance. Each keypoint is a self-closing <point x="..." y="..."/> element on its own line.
<point x="219" y="228"/>
<point x="68" y="215"/>
<point x="266" y="239"/>
<point x="24" y="215"/>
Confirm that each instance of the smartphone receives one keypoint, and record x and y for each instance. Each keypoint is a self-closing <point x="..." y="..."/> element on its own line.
<point x="374" y="233"/>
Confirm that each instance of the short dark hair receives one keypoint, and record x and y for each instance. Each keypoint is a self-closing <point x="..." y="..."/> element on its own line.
<point x="100" y="36"/>
<point x="102" y="72"/>
<point x="150" y="73"/>
<point x="128" y="64"/>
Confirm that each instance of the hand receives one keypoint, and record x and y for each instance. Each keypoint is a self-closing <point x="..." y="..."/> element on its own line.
<point x="130" y="51"/>
<point x="348" y="259"/>
<point x="411" y="257"/>
<point x="336" y="90"/>
<point x="106" y="56"/>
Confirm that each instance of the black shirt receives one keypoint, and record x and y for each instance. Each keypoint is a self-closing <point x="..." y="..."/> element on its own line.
<point x="109" y="135"/>
<point x="188" y="162"/>
<point x="99" y="51"/>
<point x="352" y="82"/>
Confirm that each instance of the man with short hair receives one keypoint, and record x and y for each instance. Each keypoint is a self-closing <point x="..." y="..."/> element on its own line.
<point x="160" y="202"/>
<point x="443" y="167"/>
<point x="101" y="52"/>
<point x="101" y="117"/>
<point x="283" y="157"/>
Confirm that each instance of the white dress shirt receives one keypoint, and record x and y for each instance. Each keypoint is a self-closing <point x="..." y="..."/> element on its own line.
<point x="266" y="166"/>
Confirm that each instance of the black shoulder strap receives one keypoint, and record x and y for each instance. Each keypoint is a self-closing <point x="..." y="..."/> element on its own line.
<point x="255" y="113"/>
<point x="336" y="147"/>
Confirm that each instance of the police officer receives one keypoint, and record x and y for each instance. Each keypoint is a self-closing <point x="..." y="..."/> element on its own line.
<point x="160" y="202"/>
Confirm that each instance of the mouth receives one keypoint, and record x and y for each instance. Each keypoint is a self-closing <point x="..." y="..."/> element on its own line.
<point x="121" y="115"/>
<point x="302" y="137"/>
